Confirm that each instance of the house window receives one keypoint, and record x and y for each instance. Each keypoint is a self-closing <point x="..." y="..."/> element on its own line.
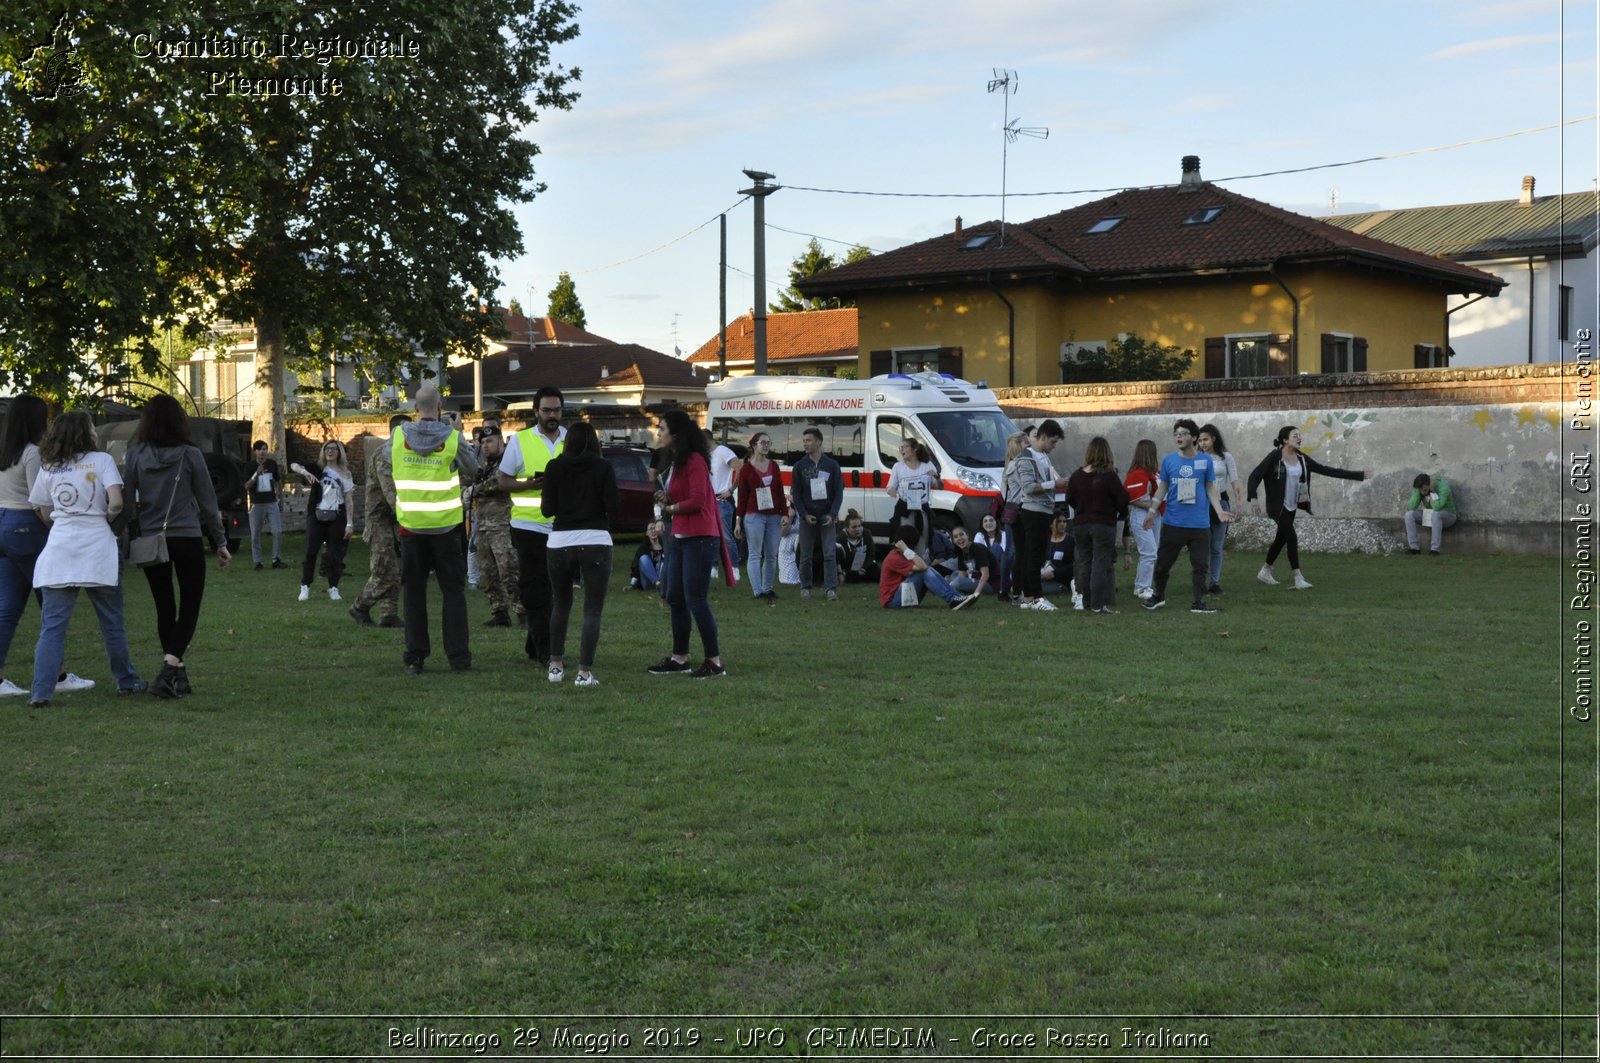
<point x="914" y="360"/>
<point x="1105" y="225"/>
<point x="1564" y="313"/>
<point x="1072" y="354"/>
<point x="1248" y="356"/>
<point x="1343" y="353"/>
<point x="1430" y="356"/>
<point x="979" y="241"/>
<point x="1203" y="216"/>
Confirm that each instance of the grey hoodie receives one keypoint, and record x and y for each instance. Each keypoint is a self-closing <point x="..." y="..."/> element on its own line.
<point x="425" y="437"/>
<point x="155" y="477"/>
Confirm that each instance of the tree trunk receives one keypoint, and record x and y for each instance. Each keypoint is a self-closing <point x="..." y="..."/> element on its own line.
<point x="268" y="406"/>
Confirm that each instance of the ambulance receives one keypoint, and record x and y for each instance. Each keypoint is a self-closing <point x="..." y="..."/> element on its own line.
<point x="863" y="423"/>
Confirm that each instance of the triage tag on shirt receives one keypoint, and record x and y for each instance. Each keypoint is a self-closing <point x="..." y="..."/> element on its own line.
<point x="763" y="497"/>
<point x="819" y="487"/>
<point x="264" y="482"/>
<point x="1186" y="489"/>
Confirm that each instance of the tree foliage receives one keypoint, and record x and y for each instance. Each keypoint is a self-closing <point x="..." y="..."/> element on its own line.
<point x="810" y="262"/>
<point x="563" y="304"/>
<point x="1132" y="358"/>
<point x="355" y="224"/>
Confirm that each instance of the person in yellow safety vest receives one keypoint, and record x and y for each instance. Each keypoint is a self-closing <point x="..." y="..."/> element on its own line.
<point x="522" y="475"/>
<point x="430" y="462"/>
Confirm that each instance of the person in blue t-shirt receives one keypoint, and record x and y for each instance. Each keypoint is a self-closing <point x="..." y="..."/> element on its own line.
<point x="1189" y="483"/>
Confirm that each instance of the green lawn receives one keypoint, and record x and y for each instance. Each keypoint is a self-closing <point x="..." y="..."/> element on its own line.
<point x="1331" y="821"/>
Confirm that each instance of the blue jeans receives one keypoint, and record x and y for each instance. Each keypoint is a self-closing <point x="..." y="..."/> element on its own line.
<point x="763" y="532"/>
<point x="725" y="510"/>
<point x="595" y="564"/>
<point x="649" y="577"/>
<point x="1219" y="536"/>
<point x="1147" y="541"/>
<point x="810" y="536"/>
<point x="925" y="581"/>
<point x="52" y="647"/>
<point x="22" y="536"/>
<point x="688" y="590"/>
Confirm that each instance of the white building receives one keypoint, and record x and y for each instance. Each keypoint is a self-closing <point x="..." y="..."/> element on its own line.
<point x="1545" y="248"/>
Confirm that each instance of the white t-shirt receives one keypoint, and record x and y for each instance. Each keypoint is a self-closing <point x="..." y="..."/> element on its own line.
<point x="721" y="469"/>
<point x="511" y="465"/>
<point x="81" y="551"/>
<point x="914" y="486"/>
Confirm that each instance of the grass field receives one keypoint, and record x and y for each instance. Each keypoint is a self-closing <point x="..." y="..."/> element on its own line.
<point x="1325" y="823"/>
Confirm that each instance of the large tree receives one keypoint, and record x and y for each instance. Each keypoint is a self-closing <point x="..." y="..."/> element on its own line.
<point x="562" y="303"/>
<point x="350" y="205"/>
<point x="810" y="262"/>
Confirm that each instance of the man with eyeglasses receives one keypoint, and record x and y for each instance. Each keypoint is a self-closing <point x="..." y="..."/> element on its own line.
<point x="1189" y="482"/>
<point x="522" y="467"/>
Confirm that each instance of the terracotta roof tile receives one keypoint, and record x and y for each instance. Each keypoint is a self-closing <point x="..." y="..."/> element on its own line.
<point x="520" y="329"/>
<point x="575" y="368"/>
<point x="790" y="337"/>
<point x="1152" y="239"/>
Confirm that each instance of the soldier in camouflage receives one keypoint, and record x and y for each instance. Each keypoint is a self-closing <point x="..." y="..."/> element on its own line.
<point x="491" y="517"/>
<point x="382" y="536"/>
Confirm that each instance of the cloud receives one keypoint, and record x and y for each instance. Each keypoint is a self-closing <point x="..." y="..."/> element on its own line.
<point x="1495" y="44"/>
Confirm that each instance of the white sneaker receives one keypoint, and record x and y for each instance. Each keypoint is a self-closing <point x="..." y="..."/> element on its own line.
<point x="1045" y="606"/>
<point x="1265" y="576"/>
<point x="305" y="593"/>
<point x="73" y="682"/>
<point x="333" y="594"/>
<point x="1143" y="593"/>
<point x="586" y="681"/>
<point x="1300" y="583"/>
<point x="557" y="673"/>
<point x="8" y="689"/>
<point x="1077" y="602"/>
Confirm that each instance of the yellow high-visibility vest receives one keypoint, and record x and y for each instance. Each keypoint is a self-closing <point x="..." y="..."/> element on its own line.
<point x="536" y="454"/>
<point x="427" y="489"/>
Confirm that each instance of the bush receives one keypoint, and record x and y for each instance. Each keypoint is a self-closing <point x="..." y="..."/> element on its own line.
<point x="1133" y="358"/>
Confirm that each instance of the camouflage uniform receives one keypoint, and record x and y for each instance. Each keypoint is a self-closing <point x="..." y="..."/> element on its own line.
<point x="497" y="559"/>
<point x="382" y="536"/>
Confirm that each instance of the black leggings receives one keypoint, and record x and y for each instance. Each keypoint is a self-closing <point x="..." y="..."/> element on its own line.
<point x="319" y="532"/>
<point x="177" y="617"/>
<point x="1286" y="538"/>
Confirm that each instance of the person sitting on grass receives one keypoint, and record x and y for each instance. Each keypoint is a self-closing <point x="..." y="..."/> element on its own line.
<point x="648" y="559"/>
<point x="906" y="576"/>
<point x="970" y="568"/>
<point x="858" y="554"/>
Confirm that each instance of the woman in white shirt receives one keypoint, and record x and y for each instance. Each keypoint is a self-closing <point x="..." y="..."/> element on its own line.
<point x="330" y="516"/>
<point x="1226" y="472"/>
<point x="911" y="484"/>
<point x="78" y="492"/>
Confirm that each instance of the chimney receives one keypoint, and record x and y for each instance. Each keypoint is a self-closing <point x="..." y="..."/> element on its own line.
<point x="958" y="226"/>
<point x="604" y="372"/>
<point x="1191" y="174"/>
<point x="1527" y="191"/>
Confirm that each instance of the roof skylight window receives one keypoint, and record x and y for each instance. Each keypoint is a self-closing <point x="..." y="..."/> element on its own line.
<point x="1105" y="225"/>
<point x="1203" y="216"/>
<point x="981" y="240"/>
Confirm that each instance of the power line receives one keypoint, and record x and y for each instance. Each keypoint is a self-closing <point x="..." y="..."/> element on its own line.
<point x="1237" y="177"/>
<point x="824" y="239"/>
<point x="658" y="247"/>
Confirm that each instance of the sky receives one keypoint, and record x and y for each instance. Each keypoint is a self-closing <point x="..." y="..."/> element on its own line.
<point x="839" y="98"/>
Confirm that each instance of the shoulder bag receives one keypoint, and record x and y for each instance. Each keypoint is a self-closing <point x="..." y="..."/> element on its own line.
<point x="151" y="549"/>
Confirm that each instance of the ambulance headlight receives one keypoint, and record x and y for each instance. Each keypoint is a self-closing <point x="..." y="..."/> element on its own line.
<point x="979" y="481"/>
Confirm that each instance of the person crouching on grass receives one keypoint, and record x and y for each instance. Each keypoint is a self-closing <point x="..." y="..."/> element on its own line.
<point x="906" y="576"/>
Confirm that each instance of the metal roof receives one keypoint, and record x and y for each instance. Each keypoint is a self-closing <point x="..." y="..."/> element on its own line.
<point x="1566" y="225"/>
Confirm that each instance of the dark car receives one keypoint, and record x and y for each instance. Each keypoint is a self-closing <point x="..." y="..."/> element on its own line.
<point x="636" y="492"/>
<point x="224" y="444"/>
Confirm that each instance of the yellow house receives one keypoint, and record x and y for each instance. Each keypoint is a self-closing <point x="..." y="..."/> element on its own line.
<point x="1252" y="289"/>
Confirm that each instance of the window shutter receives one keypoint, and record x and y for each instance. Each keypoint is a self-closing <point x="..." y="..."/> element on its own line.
<point x="1358" y="355"/>
<point x="1280" y="348"/>
<point x="950" y="361"/>
<point x="1330" y="362"/>
<point x="1422" y="356"/>
<point x="879" y="362"/>
<point x="1216" y="357"/>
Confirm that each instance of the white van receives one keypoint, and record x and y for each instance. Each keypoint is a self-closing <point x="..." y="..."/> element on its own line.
<point x="862" y="424"/>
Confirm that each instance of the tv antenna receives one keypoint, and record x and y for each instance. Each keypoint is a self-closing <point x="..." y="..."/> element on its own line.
<point x="1005" y="83"/>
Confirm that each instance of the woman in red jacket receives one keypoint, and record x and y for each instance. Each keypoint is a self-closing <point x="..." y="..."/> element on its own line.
<point x="696" y="529"/>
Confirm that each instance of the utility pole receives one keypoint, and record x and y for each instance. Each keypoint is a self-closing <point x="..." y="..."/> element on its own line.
<point x="722" y="304"/>
<point x="760" y="191"/>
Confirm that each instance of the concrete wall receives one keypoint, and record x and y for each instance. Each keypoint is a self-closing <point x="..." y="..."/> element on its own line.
<point x="1495" y="434"/>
